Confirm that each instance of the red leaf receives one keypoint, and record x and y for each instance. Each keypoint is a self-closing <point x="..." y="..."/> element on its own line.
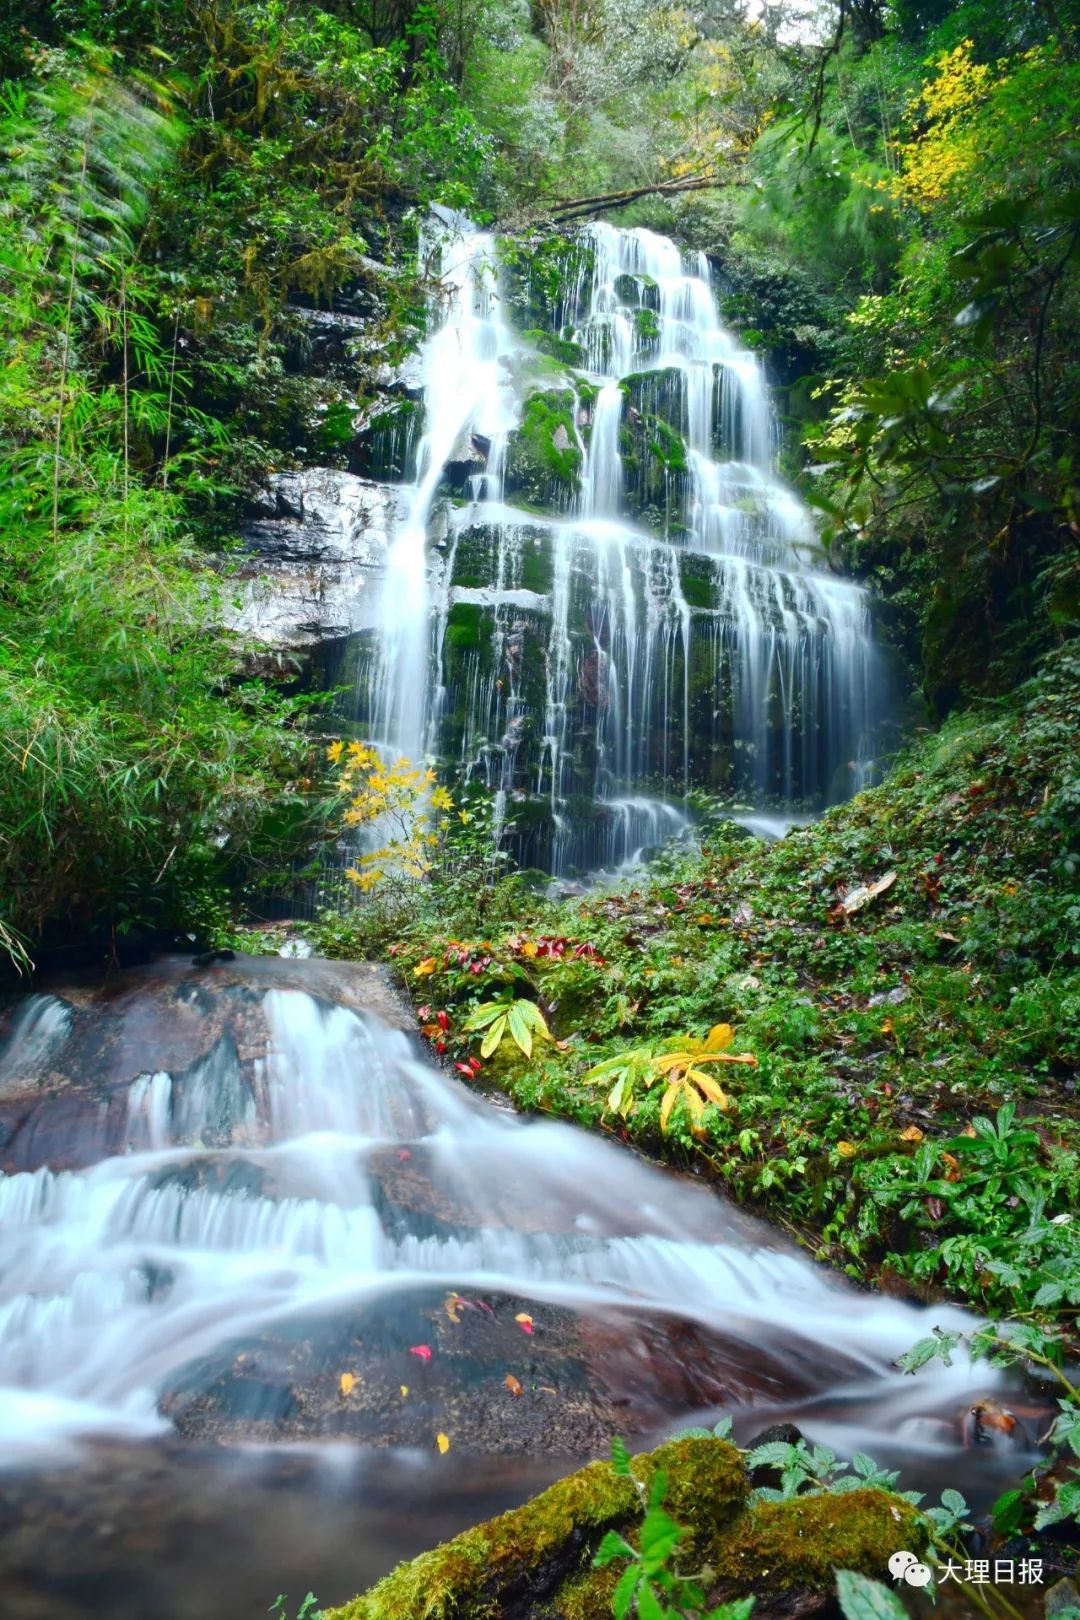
<point x="524" y="1321"/>
<point x="475" y="1065"/>
<point x="404" y="1154"/>
<point x="463" y="1068"/>
<point x="421" y="1350"/>
<point x="443" y="1021"/>
<point x="423" y="1013"/>
<point x="440" y="1047"/>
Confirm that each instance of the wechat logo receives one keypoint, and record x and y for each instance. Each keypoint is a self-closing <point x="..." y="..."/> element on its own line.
<point x="904" y="1566"/>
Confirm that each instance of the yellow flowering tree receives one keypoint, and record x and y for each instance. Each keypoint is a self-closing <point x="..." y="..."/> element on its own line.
<point x="404" y="807"/>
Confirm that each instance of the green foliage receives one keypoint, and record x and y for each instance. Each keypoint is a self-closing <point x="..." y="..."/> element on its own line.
<point x="911" y="1108"/>
<point x="521" y="1020"/>
<point x="308" y="1609"/>
<point x="650" y="1585"/>
<point x="861" y="1598"/>
<point x="143" y="775"/>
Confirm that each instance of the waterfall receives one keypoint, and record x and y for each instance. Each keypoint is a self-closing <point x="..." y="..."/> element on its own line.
<point x="602" y="595"/>
<point x="467" y="403"/>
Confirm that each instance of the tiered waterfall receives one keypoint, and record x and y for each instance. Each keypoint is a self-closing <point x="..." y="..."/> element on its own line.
<point x="602" y="596"/>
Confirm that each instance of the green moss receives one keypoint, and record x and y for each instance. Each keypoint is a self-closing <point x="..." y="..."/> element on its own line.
<point x="698" y="584"/>
<point x="544" y="456"/>
<point x="646" y="325"/>
<point x="559" y="348"/>
<point x="465" y="627"/>
<point x="539" y="274"/>
<point x="803" y="1542"/>
<point x="588" y="1597"/>
<point x="549" y="1542"/>
<point x="463" y="1577"/>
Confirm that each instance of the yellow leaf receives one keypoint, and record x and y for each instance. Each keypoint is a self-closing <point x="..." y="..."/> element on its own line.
<point x="513" y="1385"/>
<point x="912" y="1134"/>
<point x="709" y="1087"/>
<point x="404" y="1390"/>
<point x="443" y="1443"/>
<point x="530" y="948"/>
<point x="846" y="1150"/>
<point x="335" y="751"/>
<point x="719" y="1038"/>
<point x="422" y="969"/>
<point x="668" y="1103"/>
<point x="694" y="1101"/>
<point x="346" y="1384"/>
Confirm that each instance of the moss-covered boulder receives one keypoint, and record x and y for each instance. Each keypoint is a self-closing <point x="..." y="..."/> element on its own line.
<point x="535" y="1562"/>
<point x="543" y="457"/>
<point x="652" y="442"/>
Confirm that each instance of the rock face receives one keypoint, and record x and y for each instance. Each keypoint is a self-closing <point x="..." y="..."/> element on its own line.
<point x="535" y="1562"/>
<point x="317" y="542"/>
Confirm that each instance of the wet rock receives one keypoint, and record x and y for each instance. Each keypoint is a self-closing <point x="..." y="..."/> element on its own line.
<point x="423" y="1361"/>
<point x="78" y="1062"/>
<point x="317" y="544"/>
<point x="889" y="998"/>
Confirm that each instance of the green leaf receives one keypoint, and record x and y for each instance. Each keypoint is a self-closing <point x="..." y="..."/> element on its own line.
<point x="863" y="1599"/>
<point x="649" y="1606"/>
<point x="494" y="1036"/>
<point x="613" y="1546"/>
<point x="519" y="1027"/>
<point x="774" y="1454"/>
<point x="623" y="1595"/>
<point x="660" y="1535"/>
<point x="485" y="1014"/>
<point x="620" y="1457"/>
<point x="1007" y="1512"/>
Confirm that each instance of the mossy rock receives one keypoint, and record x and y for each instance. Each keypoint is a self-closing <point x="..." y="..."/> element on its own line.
<point x="540" y="277"/>
<point x="559" y="348"/>
<point x="543" y="459"/>
<point x="535" y="1562"/>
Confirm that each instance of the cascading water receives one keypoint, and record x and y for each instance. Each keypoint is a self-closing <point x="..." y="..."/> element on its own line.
<point x="234" y="1190"/>
<point x="468" y="405"/>
<point x="668" y="627"/>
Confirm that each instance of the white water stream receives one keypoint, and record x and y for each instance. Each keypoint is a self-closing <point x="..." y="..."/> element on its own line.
<point x="236" y="1195"/>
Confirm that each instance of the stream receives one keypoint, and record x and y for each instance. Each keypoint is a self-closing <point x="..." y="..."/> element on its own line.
<point x="257" y="1256"/>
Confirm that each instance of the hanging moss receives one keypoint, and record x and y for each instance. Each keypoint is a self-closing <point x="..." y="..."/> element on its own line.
<point x="659" y="395"/>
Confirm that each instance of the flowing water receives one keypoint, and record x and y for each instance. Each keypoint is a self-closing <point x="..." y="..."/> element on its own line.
<point x="670" y="625"/>
<point x="223" y="1191"/>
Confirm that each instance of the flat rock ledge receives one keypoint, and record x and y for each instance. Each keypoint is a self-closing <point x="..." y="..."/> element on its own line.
<point x="535" y="1562"/>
